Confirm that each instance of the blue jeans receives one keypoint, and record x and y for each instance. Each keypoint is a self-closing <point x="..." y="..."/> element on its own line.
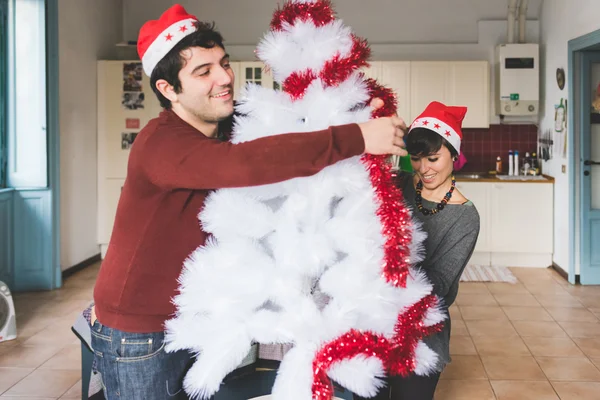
<point x="135" y="366"/>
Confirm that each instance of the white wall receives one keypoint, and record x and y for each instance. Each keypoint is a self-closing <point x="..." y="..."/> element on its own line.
<point x="88" y="31"/>
<point x="561" y="21"/>
<point x="381" y="21"/>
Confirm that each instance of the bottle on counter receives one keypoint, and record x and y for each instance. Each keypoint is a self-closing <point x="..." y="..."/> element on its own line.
<point x="526" y="163"/>
<point x="511" y="168"/>
<point x="535" y="164"/>
<point x="516" y="163"/>
<point x="498" y="165"/>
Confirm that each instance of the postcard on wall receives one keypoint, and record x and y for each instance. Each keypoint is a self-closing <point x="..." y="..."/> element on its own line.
<point x="133" y="100"/>
<point x="132" y="123"/>
<point x="132" y="77"/>
<point x="127" y="139"/>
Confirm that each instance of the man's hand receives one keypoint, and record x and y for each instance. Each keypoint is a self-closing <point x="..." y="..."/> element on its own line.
<point x="384" y="136"/>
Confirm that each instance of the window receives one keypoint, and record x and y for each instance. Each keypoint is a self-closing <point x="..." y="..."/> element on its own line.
<point x="3" y="88"/>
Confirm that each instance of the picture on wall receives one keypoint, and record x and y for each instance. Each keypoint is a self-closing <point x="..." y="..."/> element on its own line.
<point x="133" y="100"/>
<point x="132" y="77"/>
<point x="127" y="139"/>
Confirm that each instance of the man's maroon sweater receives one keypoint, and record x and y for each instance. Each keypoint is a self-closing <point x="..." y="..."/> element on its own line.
<point x="172" y="168"/>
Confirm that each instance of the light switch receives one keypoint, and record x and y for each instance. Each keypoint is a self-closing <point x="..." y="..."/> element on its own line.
<point x="564" y="169"/>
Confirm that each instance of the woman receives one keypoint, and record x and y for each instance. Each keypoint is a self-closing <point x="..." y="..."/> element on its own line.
<point x="450" y="221"/>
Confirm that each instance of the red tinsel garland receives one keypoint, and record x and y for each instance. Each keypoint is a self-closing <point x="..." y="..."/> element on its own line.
<point x="320" y="13"/>
<point x="334" y="72"/>
<point x="396" y="353"/>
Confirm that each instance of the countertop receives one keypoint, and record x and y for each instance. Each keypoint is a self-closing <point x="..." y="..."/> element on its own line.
<point x="484" y="177"/>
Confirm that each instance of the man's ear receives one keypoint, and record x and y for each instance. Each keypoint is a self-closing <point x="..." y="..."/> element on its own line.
<point x="166" y="90"/>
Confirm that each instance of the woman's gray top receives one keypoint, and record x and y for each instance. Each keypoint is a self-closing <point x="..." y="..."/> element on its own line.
<point x="451" y="237"/>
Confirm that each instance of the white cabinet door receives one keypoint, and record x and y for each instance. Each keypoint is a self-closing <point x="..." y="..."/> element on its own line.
<point x="522" y="218"/>
<point x="109" y="192"/>
<point x="116" y="107"/>
<point x="470" y="86"/>
<point x="479" y="194"/>
<point x="396" y="76"/>
<point x="428" y="82"/>
<point x="253" y="72"/>
<point x="373" y="70"/>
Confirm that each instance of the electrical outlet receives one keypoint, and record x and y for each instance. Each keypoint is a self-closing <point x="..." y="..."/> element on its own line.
<point x="564" y="169"/>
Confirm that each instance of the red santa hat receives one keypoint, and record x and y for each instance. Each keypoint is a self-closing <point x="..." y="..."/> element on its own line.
<point x="444" y="120"/>
<point x="158" y="37"/>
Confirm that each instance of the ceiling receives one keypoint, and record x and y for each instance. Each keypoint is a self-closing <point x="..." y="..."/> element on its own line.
<point x="380" y="21"/>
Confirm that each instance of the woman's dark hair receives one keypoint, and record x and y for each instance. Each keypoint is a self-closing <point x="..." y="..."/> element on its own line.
<point x="168" y="68"/>
<point x="423" y="142"/>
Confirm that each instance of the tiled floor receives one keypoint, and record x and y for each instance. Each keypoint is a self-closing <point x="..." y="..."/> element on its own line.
<point x="535" y="340"/>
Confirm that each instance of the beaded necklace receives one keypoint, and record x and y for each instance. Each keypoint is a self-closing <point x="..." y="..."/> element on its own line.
<point x="440" y="206"/>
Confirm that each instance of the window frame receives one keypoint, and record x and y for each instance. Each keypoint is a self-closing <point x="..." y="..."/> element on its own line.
<point x="3" y="92"/>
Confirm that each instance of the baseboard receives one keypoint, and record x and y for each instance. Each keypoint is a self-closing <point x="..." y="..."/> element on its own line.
<point x="82" y="265"/>
<point x="564" y="274"/>
<point x="560" y="271"/>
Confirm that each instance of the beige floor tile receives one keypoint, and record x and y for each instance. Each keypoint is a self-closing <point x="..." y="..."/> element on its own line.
<point x="26" y="398"/>
<point x="531" y="275"/>
<point x="566" y="314"/>
<point x="539" y="328"/>
<point x="590" y="301"/>
<point x="10" y="376"/>
<point x="28" y="356"/>
<point x="507" y="288"/>
<point x="45" y="382"/>
<point x="569" y="369"/>
<point x="596" y="362"/>
<point x="455" y="313"/>
<point x="527" y="314"/>
<point x="473" y="288"/>
<point x="5" y="346"/>
<point x="470" y="313"/>
<point x="55" y="335"/>
<point x="490" y="328"/>
<point x="524" y="390"/>
<point x="581" y="329"/>
<point x="476" y="300"/>
<point x="67" y="358"/>
<point x="500" y="346"/>
<point x="520" y="300"/>
<point x="589" y="345"/>
<point x="464" y="367"/>
<point x="28" y="324"/>
<point x="546" y="288"/>
<point x="459" y="328"/>
<point x="462" y="346"/>
<point x="73" y="393"/>
<point x="552" y="347"/>
<point x="512" y="368"/>
<point x="464" y="390"/>
<point x="550" y="300"/>
<point x="577" y="390"/>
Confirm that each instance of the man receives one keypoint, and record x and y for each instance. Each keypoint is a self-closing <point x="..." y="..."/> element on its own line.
<point x="176" y="160"/>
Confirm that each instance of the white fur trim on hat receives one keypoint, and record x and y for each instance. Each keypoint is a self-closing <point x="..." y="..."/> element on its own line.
<point x="165" y="42"/>
<point x="441" y="128"/>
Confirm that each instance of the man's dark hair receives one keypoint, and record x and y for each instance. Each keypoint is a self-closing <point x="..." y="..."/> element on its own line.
<point x="168" y="68"/>
<point x="423" y="142"/>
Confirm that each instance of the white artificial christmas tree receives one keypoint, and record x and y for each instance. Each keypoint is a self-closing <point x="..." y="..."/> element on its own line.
<point x="277" y="250"/>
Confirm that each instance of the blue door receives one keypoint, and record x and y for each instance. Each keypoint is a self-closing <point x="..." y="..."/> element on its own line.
<point x="590" y="168"/>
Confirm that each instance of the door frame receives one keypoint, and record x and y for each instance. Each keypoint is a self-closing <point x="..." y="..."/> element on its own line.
<point x="576" y="48"/>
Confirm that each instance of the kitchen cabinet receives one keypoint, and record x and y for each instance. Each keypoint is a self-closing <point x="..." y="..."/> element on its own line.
<point x="416" y="84"/>
<point x="480" y="195"/>
<point x="121" y="115"/>
<point x="461" y="83"/>
<point x="251" y="72"/>
<point x="516" y="222"/>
